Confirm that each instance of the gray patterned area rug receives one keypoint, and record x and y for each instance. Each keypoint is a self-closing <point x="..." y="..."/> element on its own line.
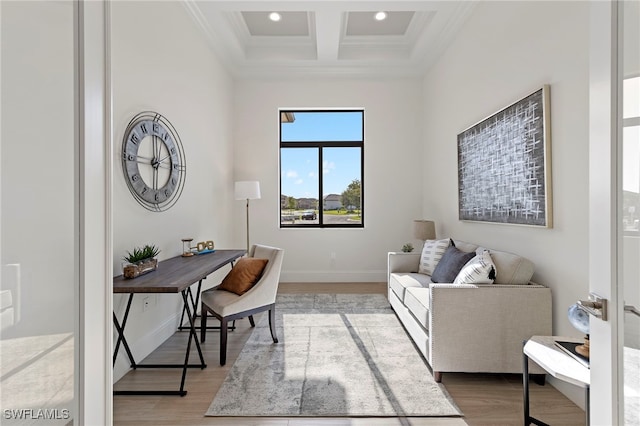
<point x="338" y="355"/>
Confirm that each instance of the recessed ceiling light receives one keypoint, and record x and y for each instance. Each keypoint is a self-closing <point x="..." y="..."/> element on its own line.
<point x="381" y="16"/>
<point x="275" y="16"/>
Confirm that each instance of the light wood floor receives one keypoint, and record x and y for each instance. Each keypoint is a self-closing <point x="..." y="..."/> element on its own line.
<point x="485" y="399"/>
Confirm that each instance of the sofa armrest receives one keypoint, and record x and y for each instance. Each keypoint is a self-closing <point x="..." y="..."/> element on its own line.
<point x="489" y="321"/>
<point x="403" y="262"/>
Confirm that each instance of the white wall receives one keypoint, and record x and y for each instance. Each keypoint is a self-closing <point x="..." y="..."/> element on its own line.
<point x="39" y="283"/>
<point x="161" y="62"/>
<point x="37" y="159"/>
<point x="506" y="51"/>
<point x="392" y="173"/>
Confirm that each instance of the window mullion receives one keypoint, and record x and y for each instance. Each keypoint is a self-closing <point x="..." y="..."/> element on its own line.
<point x="320" y="189"/>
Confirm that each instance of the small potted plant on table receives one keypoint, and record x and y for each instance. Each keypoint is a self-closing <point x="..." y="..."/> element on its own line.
<point x="141" y="261"/>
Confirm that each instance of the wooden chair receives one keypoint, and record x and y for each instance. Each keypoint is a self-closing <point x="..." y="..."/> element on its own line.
<point x="227" y="306"/>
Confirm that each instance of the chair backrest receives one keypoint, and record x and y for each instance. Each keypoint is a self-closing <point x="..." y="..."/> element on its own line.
<point x="267" y="287"/>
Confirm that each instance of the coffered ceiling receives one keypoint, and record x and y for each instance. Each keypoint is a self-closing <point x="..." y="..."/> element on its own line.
<point x="328" y="37"/>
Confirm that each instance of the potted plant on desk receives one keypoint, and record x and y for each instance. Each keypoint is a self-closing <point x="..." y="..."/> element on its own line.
<point x="141" y="261"/>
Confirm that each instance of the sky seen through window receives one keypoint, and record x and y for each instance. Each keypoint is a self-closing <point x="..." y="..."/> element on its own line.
<point x="340" y="166"/>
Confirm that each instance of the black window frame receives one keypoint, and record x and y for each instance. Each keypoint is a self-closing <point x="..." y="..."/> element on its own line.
<point x="320" y="145"/>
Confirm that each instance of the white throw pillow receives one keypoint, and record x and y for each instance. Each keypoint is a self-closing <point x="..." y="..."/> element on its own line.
<point x="479" y="270"/>
<point x="432" y="252"/>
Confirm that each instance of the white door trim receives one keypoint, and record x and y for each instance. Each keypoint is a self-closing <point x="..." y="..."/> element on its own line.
<point x="94" y="329"/>
<point x="604" y="243"/>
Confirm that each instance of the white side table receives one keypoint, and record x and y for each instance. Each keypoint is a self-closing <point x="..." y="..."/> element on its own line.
<point x="544" y="352"/>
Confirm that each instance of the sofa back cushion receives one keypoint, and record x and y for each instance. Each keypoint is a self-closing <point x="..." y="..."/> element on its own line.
<point x="465" y="246"/>
<point x="510" y="268"/>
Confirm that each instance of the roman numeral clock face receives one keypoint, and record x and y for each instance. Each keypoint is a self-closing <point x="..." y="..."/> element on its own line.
<point x="153" y="161"/>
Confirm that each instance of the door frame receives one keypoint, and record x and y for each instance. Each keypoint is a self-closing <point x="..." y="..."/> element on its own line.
<point x="93" y="373"/>
<point x="605" y="233"/>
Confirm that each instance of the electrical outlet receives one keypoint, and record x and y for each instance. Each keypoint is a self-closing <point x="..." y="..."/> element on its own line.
<point x="146" y="302"/>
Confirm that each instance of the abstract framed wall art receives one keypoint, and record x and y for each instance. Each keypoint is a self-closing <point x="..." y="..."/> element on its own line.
<point x="504" y="165"/>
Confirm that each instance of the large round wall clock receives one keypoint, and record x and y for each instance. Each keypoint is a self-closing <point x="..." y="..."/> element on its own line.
<point x="153" y="161"/>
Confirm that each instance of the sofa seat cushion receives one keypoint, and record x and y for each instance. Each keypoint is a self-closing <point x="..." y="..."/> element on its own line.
<point x="400" y="281"/>
<point x="416" y="299"/>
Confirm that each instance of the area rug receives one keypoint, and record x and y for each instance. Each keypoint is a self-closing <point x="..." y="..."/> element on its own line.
<point x="338" y="355"/>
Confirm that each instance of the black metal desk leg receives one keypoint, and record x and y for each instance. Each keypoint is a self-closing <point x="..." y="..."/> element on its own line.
<point x="192" y="335"/>
<point x="525" y="384"/>
<point x="121" y="338"/>
<point x="586" y="405"/>
<point x="195" y="304"/>
<point x="192" y="326"/>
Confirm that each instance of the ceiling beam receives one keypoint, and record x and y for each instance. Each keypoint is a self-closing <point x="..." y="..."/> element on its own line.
<point x="327" y="49"/>
<point x="328" y="32"/>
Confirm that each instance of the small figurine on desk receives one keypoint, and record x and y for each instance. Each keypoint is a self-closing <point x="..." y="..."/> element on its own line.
<point x="186" y="247"/>
<point x="204" y="247"/>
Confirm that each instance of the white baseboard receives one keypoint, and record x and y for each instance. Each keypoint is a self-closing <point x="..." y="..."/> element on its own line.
<point x="334" y="276"/>
<point x="144" y="345"/>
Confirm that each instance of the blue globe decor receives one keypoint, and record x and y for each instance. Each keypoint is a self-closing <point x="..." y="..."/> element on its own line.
<point x="578" y="318"/>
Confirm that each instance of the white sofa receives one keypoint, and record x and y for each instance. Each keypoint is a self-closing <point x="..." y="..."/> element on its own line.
<point x="470" y="328"/>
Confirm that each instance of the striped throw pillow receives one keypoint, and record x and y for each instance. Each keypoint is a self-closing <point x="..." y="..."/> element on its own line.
<point x="479" y="270"/>
<point x="432" y="252"/>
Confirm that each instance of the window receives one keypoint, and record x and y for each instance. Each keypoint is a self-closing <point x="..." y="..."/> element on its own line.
<point x="321" y="169"/>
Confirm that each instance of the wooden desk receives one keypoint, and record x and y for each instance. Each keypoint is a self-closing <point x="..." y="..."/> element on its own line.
<point x="175" y="275"/>
<point x="546" y="354"/>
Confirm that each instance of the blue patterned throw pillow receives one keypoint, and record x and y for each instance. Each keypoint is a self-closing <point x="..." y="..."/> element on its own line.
<point x="450" y="265"/>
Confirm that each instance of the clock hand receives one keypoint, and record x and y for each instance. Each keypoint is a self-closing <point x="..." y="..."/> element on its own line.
<point x="158" y="147"/>
<point x="154" y="146"/>
<point x="145" y="161"/>
<point x="155" y="178"/>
